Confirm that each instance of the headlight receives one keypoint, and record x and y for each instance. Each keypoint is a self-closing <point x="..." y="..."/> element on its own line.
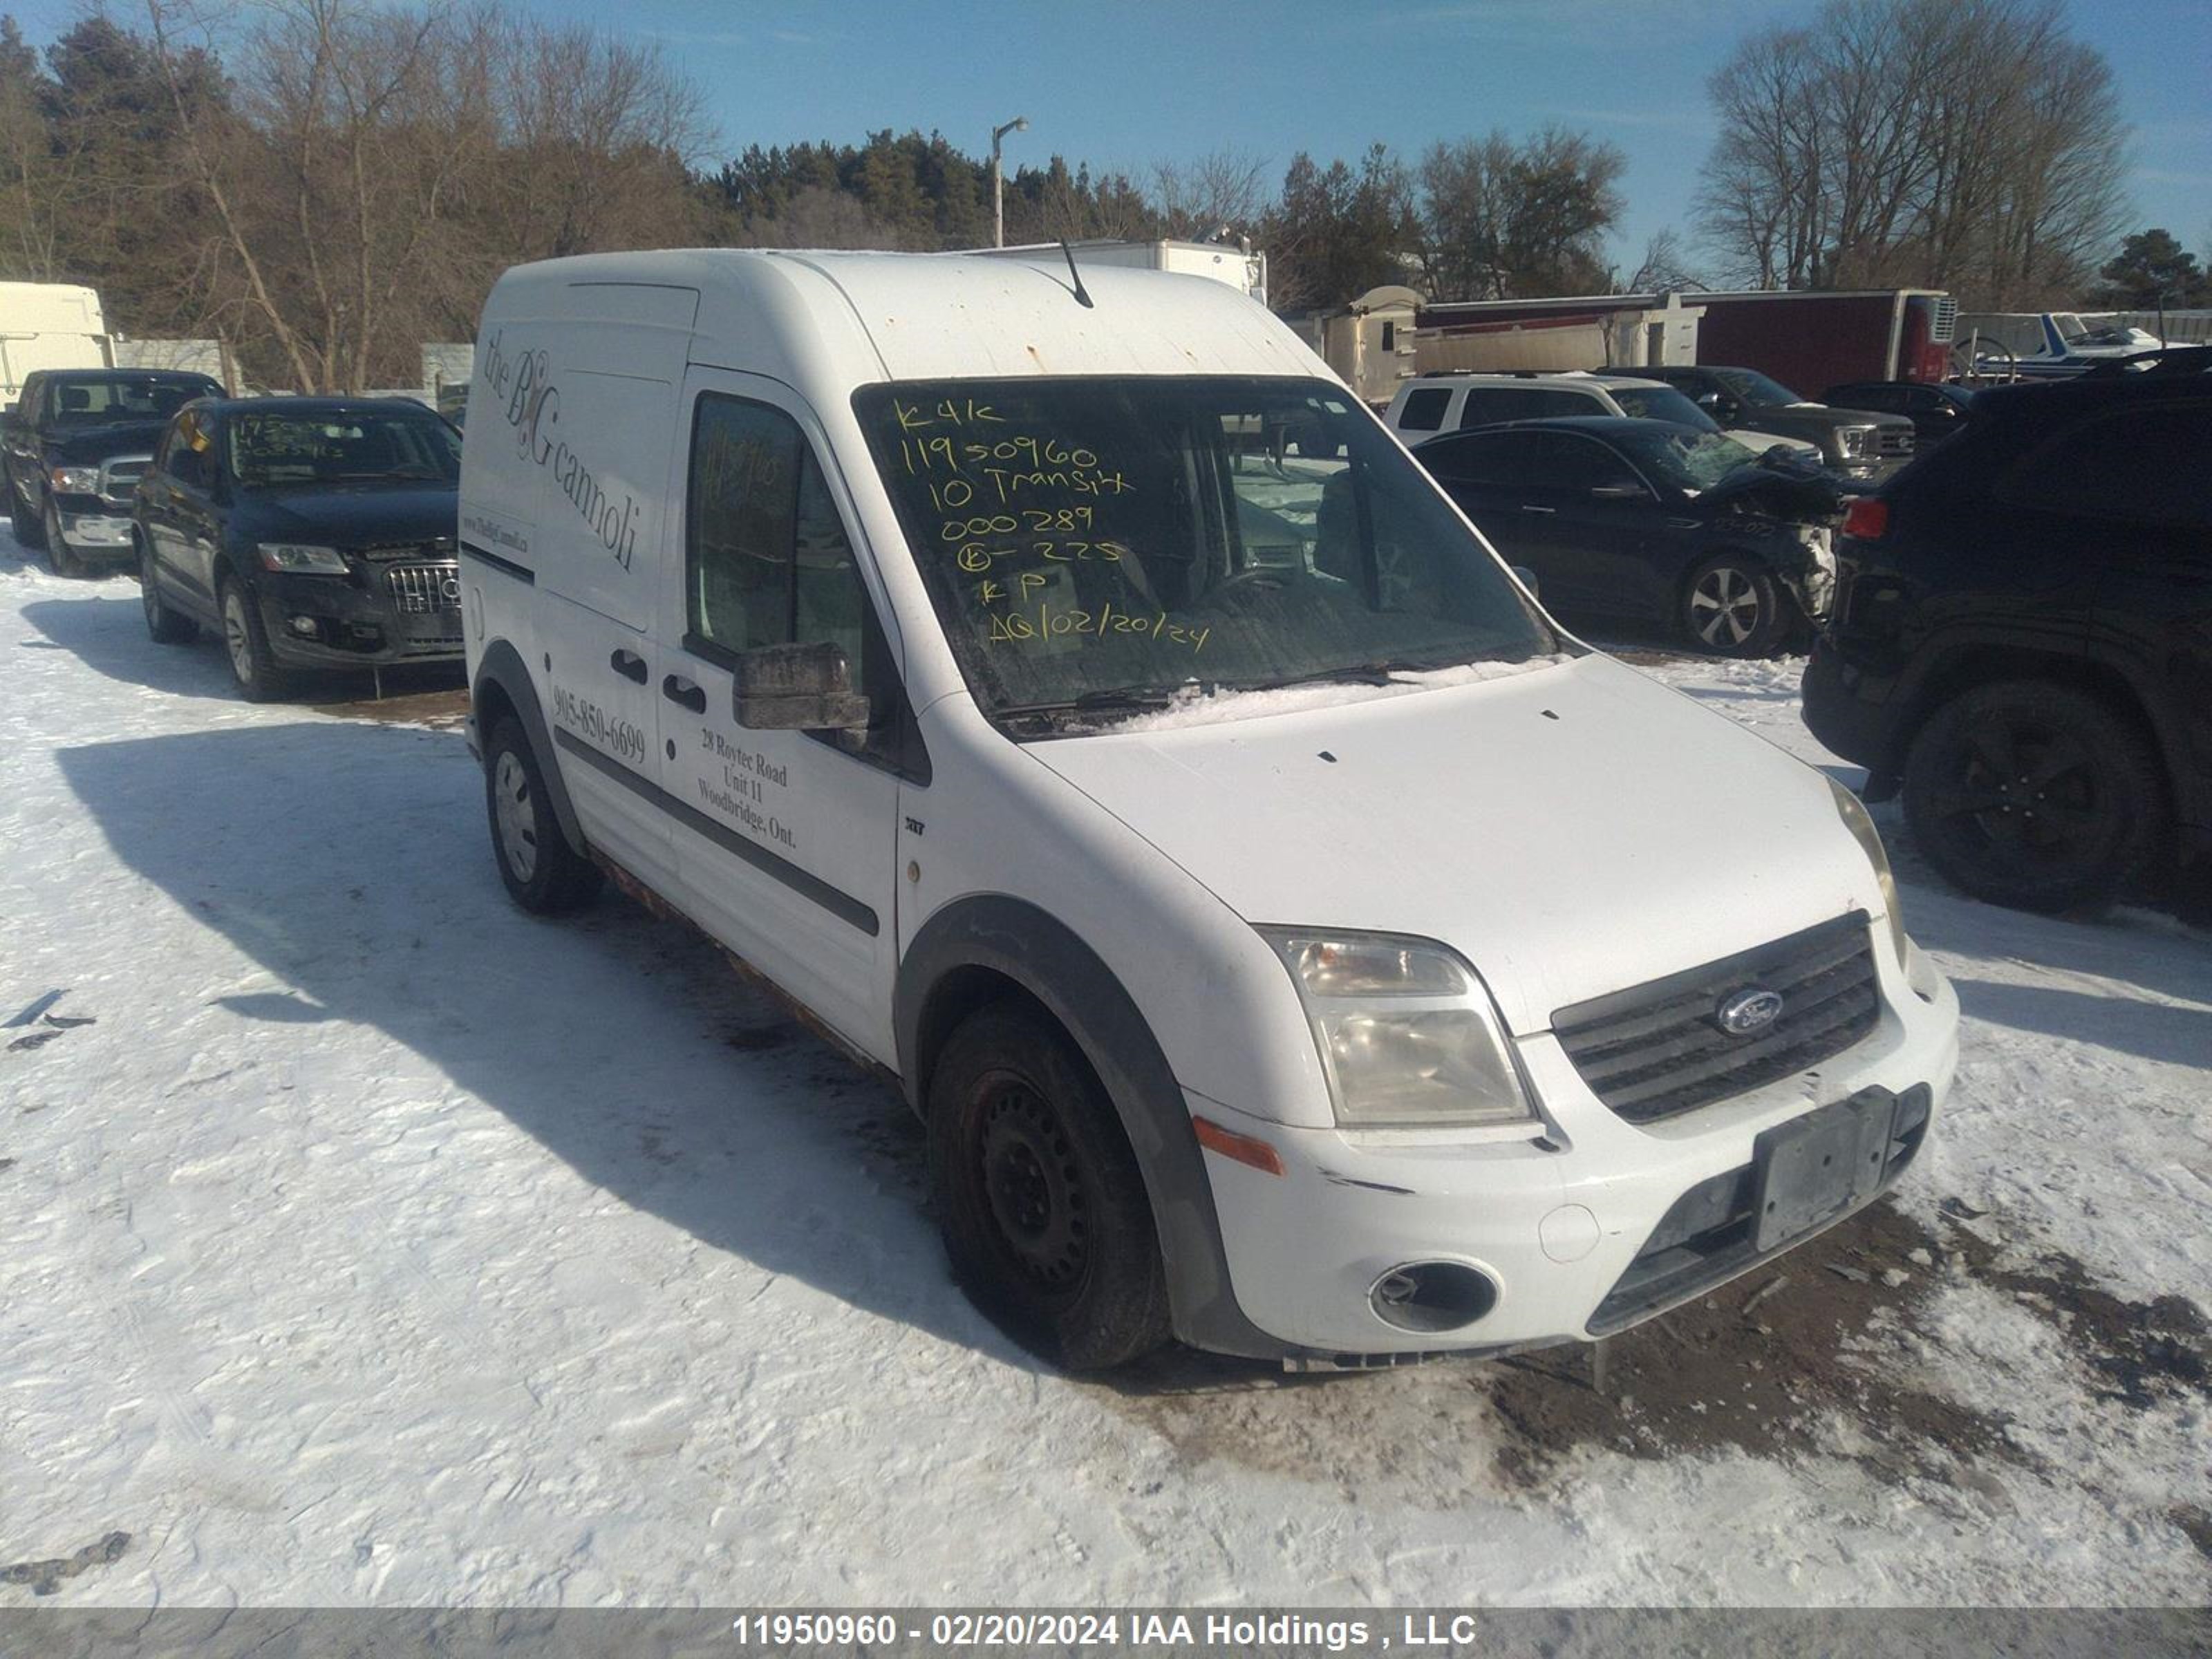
<point x="1408" y="1035"/>
<point x="1854" y="814"/>
<point x="74" y="480"/>
<point x="301" y="559"/>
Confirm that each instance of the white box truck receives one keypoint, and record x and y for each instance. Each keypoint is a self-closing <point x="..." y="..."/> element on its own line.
<point x="49" y="325"/>
<point x="1294" y="941"/>
<point x="1242" y="269"/>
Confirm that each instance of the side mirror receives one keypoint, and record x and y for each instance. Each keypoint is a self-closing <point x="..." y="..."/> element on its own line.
<point x="1526" y="578"/>
<point x="798" y="687"/>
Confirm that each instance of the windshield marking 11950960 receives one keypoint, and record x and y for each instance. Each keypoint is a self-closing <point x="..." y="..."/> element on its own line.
<point x="1098" y="542"/>
<point x="984" y="476"/>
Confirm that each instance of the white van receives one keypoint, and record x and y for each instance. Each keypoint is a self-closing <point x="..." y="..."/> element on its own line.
<point x="1070" y="697"/>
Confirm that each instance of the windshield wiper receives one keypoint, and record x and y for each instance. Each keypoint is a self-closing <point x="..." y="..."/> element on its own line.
<point x="1384" y="670"/>
<point x="1110" y="697"/>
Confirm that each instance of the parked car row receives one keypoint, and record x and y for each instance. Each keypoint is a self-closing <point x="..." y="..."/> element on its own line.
<point x="308" y="533"/>
<point x="975" y="709"/>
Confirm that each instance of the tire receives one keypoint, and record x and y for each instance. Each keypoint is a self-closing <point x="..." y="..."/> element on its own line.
<point x="30" y="529"/>
<point x="1732" y="606"/>
<point x="543" y="874"/>
<point x="1039" y="1197"/>
<point x="60" y="559"/>
<point x="2035" y="796"/>
<point x="246" y="642"/>
<point x="167" y="626"/>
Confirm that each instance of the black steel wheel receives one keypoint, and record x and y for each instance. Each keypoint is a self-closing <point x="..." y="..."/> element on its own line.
<point x="543" y="874"/>
<point x="1042" y="1203"/>
<point x="2036" y="796"/>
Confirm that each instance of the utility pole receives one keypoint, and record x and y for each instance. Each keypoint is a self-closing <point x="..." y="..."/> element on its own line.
<point x="1020" y="124"/>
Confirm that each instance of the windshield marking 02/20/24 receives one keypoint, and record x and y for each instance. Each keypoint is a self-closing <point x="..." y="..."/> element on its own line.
<point x="1100" y="544"/>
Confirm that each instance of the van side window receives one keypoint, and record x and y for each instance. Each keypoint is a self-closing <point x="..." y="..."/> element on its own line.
<point x="767" y="561"/>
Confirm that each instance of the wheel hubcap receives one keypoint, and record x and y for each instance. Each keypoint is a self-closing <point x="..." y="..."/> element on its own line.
<point x="239" y="641"/>
<point x="516" y="814"/>
<point x="1724" y="606"/>
<point x="2025" y="791"/>
<point x="1036" y="1190"/>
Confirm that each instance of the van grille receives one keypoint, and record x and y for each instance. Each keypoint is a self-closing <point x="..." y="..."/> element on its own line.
<point x="1659" y="1049"/>
<point x="1892" y="442"/>
<point x="422" y="590"/>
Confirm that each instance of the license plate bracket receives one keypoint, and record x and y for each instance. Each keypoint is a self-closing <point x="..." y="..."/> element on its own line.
<point x="1815" y="1167"/>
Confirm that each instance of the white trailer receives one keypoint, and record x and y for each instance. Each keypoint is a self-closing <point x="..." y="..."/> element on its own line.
<point x="1239" y="266"/>
<point x="49" y="325"/>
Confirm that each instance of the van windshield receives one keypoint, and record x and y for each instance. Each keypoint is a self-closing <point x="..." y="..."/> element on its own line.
<point x="1090" y="542"/>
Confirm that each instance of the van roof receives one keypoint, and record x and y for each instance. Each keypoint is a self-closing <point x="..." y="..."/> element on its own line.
<point x="808" y="317"/>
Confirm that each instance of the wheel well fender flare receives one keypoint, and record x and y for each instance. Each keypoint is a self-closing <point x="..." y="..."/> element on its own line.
<point x="502" y="685"/>
<point x="988" y="945"/>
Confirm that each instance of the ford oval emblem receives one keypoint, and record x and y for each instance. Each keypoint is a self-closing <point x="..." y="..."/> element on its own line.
<point x="1749" y="1011"/>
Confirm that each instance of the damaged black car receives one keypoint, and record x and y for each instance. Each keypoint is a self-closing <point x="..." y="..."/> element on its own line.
<point x="1655" y="522"/>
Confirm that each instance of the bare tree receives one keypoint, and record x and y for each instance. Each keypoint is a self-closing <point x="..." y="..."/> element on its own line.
<point x="1663" y="266"/>
<point x="1970" y="144"/>
<point x="1222" y="193"/>
<point x="376" y="167"/>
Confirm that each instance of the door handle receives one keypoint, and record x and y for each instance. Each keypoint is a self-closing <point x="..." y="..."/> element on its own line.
<point x="1546" y="511"/>
<point x="629" y="665"/>
<point x="677" y="689"/>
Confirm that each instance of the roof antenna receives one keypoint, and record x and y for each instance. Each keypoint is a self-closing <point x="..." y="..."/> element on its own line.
<point x="1082" y="297"/>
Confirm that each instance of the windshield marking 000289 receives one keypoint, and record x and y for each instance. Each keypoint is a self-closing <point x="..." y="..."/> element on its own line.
<point x="1101" y="543"/>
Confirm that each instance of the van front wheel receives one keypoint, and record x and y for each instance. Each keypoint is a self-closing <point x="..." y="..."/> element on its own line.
<point x="1040" y="1198"/>
<point x="543" y="874"/>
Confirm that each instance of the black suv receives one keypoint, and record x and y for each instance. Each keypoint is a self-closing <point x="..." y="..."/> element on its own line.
<point x="76" y="440"/>
<point x="2021" y="643"/>
<point x="1863" y="446"/>
<point x="311" y="533"/>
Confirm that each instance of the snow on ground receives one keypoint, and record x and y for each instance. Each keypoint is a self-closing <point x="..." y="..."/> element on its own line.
<point x="371" y="1242"/>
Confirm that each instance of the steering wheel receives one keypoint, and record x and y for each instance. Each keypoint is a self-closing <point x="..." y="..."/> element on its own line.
<point x="1265" y="578"/>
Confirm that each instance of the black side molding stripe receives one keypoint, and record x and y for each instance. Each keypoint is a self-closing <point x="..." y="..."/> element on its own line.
<point x="807" y="885"/>
<point x="520" y="572"/>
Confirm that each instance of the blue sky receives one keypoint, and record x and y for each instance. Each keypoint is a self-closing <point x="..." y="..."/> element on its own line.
<point x="1126" y="83"/>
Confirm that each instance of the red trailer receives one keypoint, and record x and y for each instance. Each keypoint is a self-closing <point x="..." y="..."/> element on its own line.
<point x="1808" y="341"/>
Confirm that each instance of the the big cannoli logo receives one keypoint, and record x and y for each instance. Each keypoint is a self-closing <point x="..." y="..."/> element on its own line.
<point x="532" y="403"/>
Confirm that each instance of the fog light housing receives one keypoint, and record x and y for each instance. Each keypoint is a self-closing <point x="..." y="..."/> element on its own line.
<point x="1432" y="1296"/>
<point x="306" y="627"/>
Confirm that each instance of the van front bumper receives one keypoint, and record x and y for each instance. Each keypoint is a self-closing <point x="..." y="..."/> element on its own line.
<point x="1580" y="1228"/>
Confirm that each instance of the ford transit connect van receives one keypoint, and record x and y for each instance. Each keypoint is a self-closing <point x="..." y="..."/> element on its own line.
<point x="1062" y="690"/>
